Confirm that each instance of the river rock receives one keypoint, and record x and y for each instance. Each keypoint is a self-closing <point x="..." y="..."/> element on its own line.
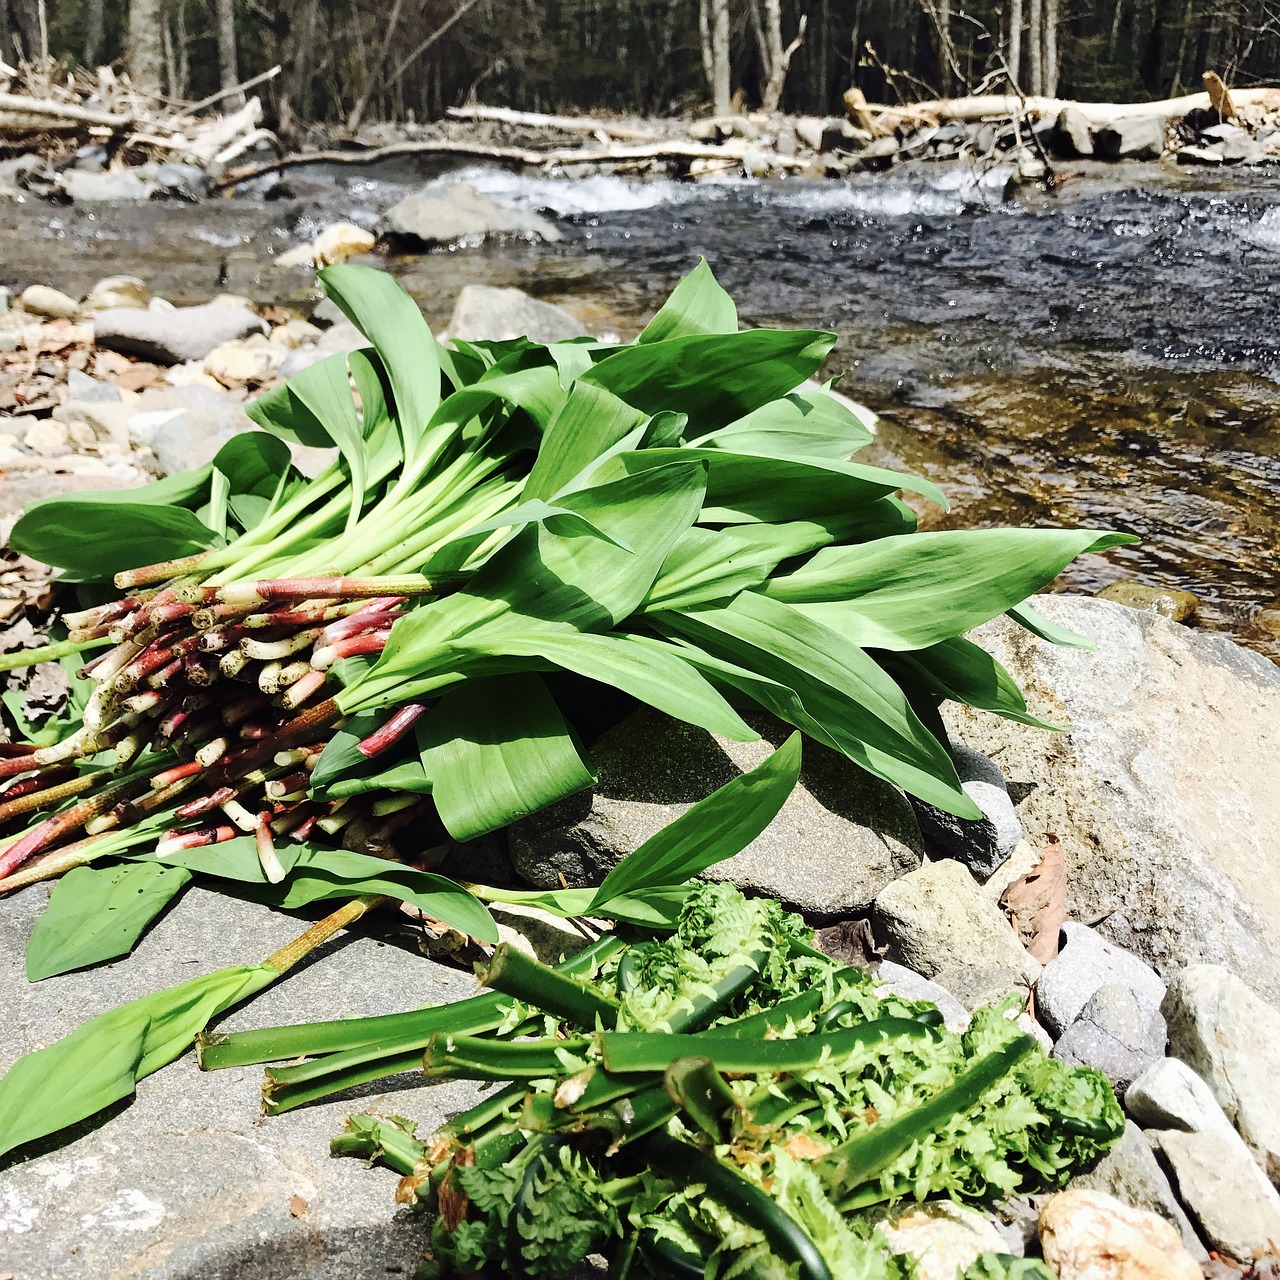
<point x="938" y="922"/>
<point x="47" y="438"/>
<point x="181" y="182"/>
<point x="851" y="833"/>
<point x="173" y="335"/>
<point x="1131" y="138"/>
<point x="1203" y="156"/>
<point x="1226" y="1193"/>
<point x="942" y="1238"/>
<point x="880" y="153"/>
<point x="898" y="980"/>
<point x="188" y="1179"/>
<point x="1163" y="840"/>
<point x="1089" y="1235"/>
<point x="1116" y="1033"/>
<point x="247" y="363"/>
<point x="1131" y="1173"/>
<point x="53" y="304"/>
<point x="294" y="334"/>
<point x="1169" y="1095"/>
<point x="445" y="215"/>
<point x="190" y="437"/>
<point x="483" y="311"/>
<point x="1073" y="126"/>
<point x="1231" y="1038"/>
<point x="86" y="187"/>
<point x="117" y="291"/>
<point x="1180" y="606"/>
<point x="982" y="844"/>
<point x="1085" y="962"/>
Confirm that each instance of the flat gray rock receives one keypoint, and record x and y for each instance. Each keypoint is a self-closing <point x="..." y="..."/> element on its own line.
<point x="840" y="838"/>
<point x="1228" y="1196"/>
<point x="1131" y="1173"/>
<point x="191" y="437"/>
<point x="938" y="922"/>
<point x="907" y="983"/>
<point x="1167" y="822"/>
<point x="1085" y="962"/>
<point x="189" y="1182"/>
<point x="439" y="215"/>
<point x="1116" y="1033"/>
<point x="174" y="335"/>
<point x="1231" y="1038"/>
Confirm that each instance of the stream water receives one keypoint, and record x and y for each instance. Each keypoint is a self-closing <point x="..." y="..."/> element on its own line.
<point x="1108" y="354"/>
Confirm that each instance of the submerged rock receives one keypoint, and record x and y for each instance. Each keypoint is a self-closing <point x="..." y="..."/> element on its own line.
<point x="1164" y="819"/>
<point x="840" y="838"/>
<point x="445" y="215"/>
<point x="1180" y="606"/>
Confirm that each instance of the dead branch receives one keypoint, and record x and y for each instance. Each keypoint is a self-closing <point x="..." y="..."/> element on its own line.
<point x="565" y="124"/>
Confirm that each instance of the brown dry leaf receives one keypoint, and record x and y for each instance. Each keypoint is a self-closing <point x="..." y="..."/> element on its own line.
<point x="297" y="1206"/>
<point x="851" y="942"/>
<point x="450" y="1201"/>
<point x="139" y="376"/>
<point x="801" y="1146"/>
<point x="1036" y="904"/>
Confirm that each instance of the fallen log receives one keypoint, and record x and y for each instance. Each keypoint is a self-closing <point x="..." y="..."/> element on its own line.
<point x="1006" y="105"/>
<point x="732" y="151"/>
<point x="565" y="124"/>
<point x="22" y="106"/>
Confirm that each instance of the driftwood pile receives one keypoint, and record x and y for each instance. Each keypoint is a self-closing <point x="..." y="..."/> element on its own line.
<point x="50" y="112"/>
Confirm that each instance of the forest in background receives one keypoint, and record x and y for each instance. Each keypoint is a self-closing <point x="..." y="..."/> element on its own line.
<point x="352" y="62"/>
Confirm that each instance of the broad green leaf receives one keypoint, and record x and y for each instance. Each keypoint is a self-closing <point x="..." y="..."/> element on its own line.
<point x="832" y="685"/>
<point x="97" y="914"/>
<point x="321" y="874"/>
<point x="958" y="669"/>
<point x="235" y="859"/>
<point x="538" y="512"/>
<point x="912" y="591"/>
<point x="94" y="540"/>
<point x="714" y="829"/>
<point x="1035" y="622"/>
<point x="804" y="423"/>
<point x="697" y="305"/>
<point x="590" y="421"/>
<point x="324" y="388"/>
<point x="654" y="908"/>
<point x="496" y="750"/>
<point x="101" y="1062"/>
<point x="341" y="753"/>
<point x="642" y="667"/>
<point x="714" y="378"/>
<point x="391" y="320"/>
<point x="711" y="564"/>
<point x="547" y="578"/>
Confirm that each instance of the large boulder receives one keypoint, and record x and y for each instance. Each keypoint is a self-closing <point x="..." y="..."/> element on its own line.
<point x="173" y="335"/>
<point x="1130" y="138"/>
<point x="840" y="838"/>
<point x="188" y="1179"/>
<point x="1163" y="794"/>
<point x="446" y="215"/>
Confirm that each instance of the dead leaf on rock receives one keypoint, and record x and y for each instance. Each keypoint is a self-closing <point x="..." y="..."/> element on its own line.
<point x="851" y="942"/>
<point x="297" y="1206"/>
<point x="1036" y="903"/>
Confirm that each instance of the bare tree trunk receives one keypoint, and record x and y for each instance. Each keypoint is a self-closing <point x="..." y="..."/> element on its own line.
<point x="720" y="87"/>
<point x="1035" y="78"/>
<point x="776" y="58"/>
<point x="1050" y="73"/>
<point x="1014" y="59"/>
<point x="145" y="52"/>
<point x="228" y="68"/>
<point x="93" y="32"/>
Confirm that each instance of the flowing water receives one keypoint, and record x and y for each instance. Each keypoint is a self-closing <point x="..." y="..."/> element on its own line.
<point x="1108" y="354"/>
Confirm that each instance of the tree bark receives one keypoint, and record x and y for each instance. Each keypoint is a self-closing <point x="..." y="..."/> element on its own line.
<point x="93" y="32"/>
<point x="1035" y="58"/>
<point x="718" y="49"/>
<point x="228" y="68"/>
<point x="1014" y="60"/>
<point x="1049" y="75"/>
<point x="777" y="59"/>
<point x="145" y="52"/>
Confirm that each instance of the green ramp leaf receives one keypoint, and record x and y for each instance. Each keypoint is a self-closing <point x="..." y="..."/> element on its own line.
<point x="101" y="1062"/>
<point x="914" y="590"/>
<point x="495" y="750"/>
<point x="714" y="829"/>
<point x="97" y="914"/>
<point x="697" y="305"/>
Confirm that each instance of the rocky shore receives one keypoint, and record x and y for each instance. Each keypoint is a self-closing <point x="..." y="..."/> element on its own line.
<point x="1133" y="852"/>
